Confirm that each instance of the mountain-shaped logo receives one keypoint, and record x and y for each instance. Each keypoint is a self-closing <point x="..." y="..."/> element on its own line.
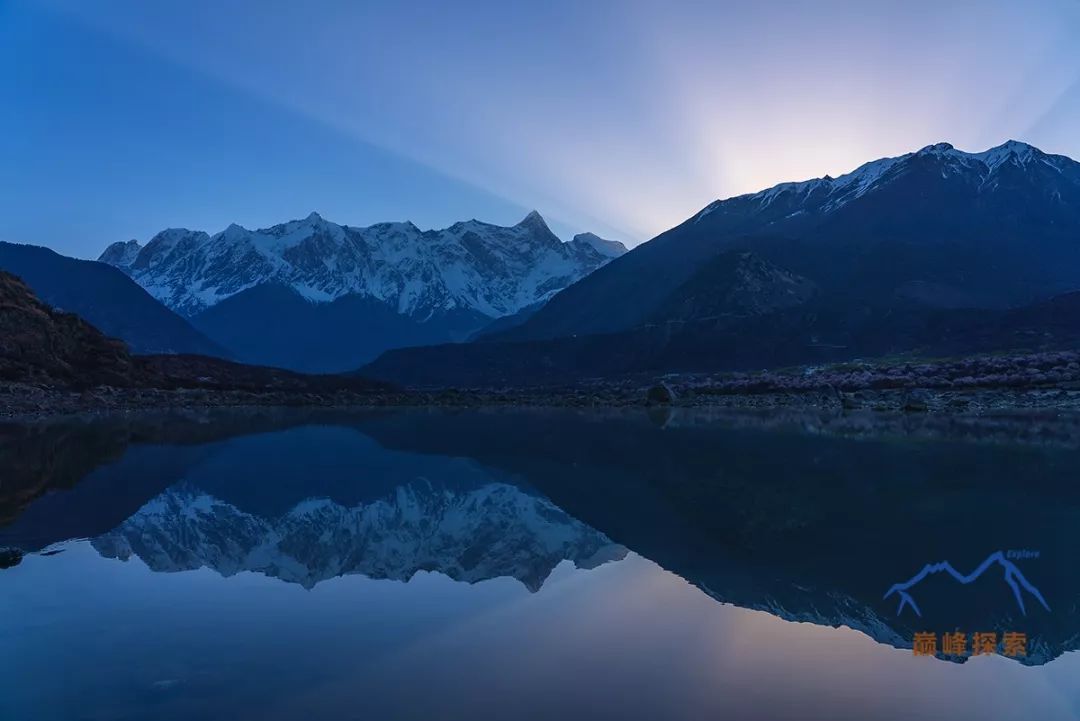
<point x="1016" y="580"/>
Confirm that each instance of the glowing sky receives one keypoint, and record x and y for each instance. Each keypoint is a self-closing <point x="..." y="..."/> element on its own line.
<point x="122" y="117"/>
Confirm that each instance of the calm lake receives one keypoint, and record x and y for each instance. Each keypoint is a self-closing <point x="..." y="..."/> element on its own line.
<point x="499" y="564"/>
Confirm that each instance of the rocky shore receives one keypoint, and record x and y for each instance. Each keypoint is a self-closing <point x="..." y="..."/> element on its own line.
<point x="20" y="401"/>
<point x="977" y="384"/>
<point x="54" y="363"/>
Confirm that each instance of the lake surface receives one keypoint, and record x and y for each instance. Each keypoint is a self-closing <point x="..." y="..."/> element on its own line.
<point x="532" y="564"/>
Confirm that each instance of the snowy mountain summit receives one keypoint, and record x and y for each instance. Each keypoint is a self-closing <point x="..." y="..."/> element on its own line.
<point x="471" y="266"/>
<point x="985" y="171"/>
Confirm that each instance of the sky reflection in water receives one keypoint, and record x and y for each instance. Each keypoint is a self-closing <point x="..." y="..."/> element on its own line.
<point x="90" y="636"/>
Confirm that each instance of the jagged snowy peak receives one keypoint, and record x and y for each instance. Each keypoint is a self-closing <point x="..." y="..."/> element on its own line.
<point x="471" y="266"/>
<point x="1012" y="151"/>
<point x="122" y="253"/>
<point x="469" y="535"/>
<point x="607" y="248"/>
<point x="827" y="193"/>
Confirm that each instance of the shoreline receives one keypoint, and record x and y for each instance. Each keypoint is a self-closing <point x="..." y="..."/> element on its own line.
<point x="28" y="402"/>
<point x="1033" y="426"/>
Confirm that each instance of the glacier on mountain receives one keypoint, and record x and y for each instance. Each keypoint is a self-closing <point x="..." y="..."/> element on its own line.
<point x="470" y="266"/>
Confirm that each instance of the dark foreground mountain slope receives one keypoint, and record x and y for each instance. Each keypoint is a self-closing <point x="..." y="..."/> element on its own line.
<point x="735" y="284"/>
<point x="813" y="332"/>
<point x="106" y="298"/>
<point x="47" y="347"/>
<point x="40" y="344"/>
<point x="939" y="226"/>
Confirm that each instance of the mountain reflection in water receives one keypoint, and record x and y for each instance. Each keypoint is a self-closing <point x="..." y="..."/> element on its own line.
<point x="807" y="527"/>
<point x="468" y="534"/>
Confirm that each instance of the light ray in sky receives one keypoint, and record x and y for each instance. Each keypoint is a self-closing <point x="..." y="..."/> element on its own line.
<point x="627" y="117"/>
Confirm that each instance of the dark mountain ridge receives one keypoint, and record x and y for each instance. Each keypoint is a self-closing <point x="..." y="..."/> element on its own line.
<point x="937" y="251"/>
<point x="106" y="298"/>
<point x="40" y="344"/>
<point x="48" y="347"/>
<point x="996" y="228"/>
<point x="809" y="334"/>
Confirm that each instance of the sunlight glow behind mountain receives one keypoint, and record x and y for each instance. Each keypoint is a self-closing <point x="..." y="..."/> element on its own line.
<point x="626" y="118"/>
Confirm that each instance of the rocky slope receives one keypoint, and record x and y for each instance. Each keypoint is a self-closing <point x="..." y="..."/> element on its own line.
<point x="43" y="345"/>
<point x="106" y="298"/>
<point x="735" y="284"/>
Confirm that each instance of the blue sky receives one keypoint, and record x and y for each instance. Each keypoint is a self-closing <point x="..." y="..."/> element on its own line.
<point x="120" y="117"/>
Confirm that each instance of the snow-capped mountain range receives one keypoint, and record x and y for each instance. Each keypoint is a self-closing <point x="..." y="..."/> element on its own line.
<point x="468" y="534"/>
<point x="471" y="266"/>
<point x="986" y="168"/>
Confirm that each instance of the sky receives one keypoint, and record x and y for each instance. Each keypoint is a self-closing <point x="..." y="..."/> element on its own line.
<point x="119" y="118"/>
